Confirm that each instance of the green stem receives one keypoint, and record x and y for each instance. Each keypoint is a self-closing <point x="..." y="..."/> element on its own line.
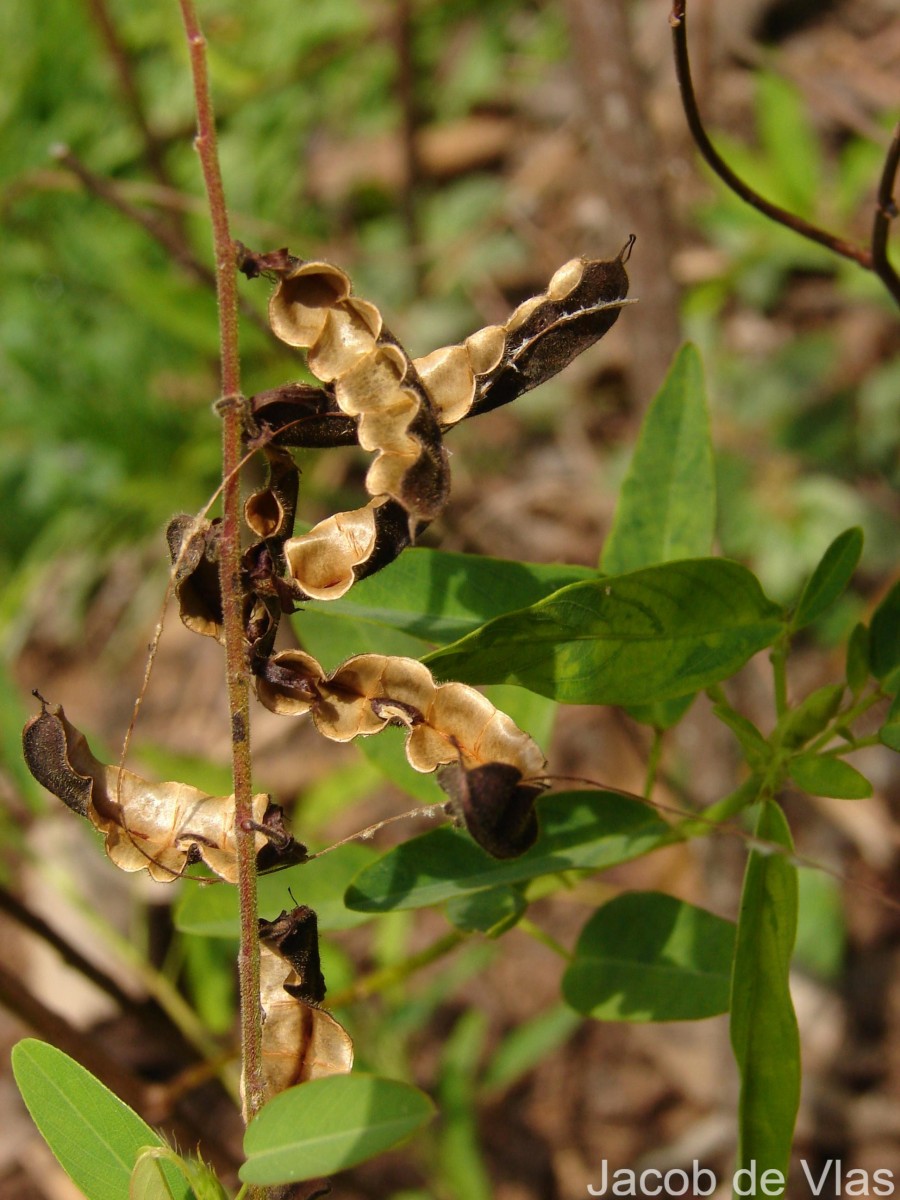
<point x="231" y="409"/>
<point x="778" y="659"/>
<point x="653" y="762"/>
<point x="380" y="981"/>
<point x="853" y="713"/>
<point x="540" y="935"/>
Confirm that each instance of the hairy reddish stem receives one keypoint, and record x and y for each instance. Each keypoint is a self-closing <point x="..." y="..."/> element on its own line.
<point x="237" y="676"/>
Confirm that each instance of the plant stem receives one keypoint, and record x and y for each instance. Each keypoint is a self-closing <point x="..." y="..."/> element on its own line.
<point x="231" y="410"/>
<point x="380" y="981"/>
<point x="653" y="762"/>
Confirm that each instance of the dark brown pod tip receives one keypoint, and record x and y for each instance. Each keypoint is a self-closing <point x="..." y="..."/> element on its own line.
<point x="495" y="806"/>
<point x="46" y="751"/>
<point x="281" y="849"/>
<point x="295" y="936"/>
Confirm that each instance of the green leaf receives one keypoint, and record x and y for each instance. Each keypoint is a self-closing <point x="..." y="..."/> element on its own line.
<point x="764" y="1034"/>
<point x="811" y="716"/>
<point x="630" y="639"/>
<point x="95" y="1136"/>
<point x="646" y="956"/>
<point x="830" y="578"/>
<point x="791" y="143"/>
<point x="527" y="1044"/>
<point x="858" y="659"/>
<point x="884" y="640"/>
<point x="212" y="911"/>
<point x="821" y="926"/>
<point x="579" y="830"/>
<point x="459" y="1153"/>
<point x="492" y="911"/>
<point x="825" y="775"/>
<point x="756" y="749"/>
<point x="330" y="1124"/>
<point x="437" y="597"/>
<point x="667" y="504"/>
<point x="149" y="1180"/>
<point x="387" y="752"/>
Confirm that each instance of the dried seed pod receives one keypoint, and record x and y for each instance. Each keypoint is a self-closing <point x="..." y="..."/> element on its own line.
<point x="373" y="382"/>
<point x="494" y="804"/>
<point x="300" y="1040"/>
<point x="158" y="827"/>
<point x="194" y="550"/>
<point x="447" y="722"/>
<point x="543" y="335"/>
<point x="270" y="511"/>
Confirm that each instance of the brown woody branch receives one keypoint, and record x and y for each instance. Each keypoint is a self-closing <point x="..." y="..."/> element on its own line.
<point x="871" y="258"/>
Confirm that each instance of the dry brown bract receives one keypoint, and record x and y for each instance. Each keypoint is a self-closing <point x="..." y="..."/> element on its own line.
<point x="158" y="827"/>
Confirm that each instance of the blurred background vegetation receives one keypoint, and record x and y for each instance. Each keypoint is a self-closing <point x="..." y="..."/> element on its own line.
<point x="449" y="155"/>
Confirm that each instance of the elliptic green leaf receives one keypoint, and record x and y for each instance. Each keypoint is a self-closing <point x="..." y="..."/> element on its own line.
<point x="830" y="577"/>
<point x="527" y="1044"/>
<point x="96" y="1138"/>
<point x="764" y="1033"/>
<point x="212" y="911"/>
<point x="667" y="503"/>
<point x="884" y="640"/>
<point x="149" y="1180"/>
<point x="811" y="716"/>
<point x="329" y="1124"/>
<point x="755" y="747"/>
<point x="579" y="830"/>
<point x="858" y="658"/>
<point x="646" y="956"/>
<point x="630" y="639"/>
<point x="437" y="596"/>
<point x="825" y="775"/>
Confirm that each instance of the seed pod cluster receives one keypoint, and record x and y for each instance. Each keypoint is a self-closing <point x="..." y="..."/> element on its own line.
<point x="375" y="396"/>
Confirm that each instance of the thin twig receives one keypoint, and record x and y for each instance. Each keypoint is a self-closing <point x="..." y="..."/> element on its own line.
<point x="845" y="249"/>
<point x="885" y="212"/>
<point x="125" y="74"/>
<point x="161" y="232"/>
<point x="231" y="408"/>
<point x="70" y="955"/>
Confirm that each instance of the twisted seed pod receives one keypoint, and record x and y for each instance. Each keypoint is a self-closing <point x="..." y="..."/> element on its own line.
<point x="447" y="722"/>
<point x="543" y="335"/>
<point x="158" y="827"/>
<point x="490" y="368"/>
<point x="300" y="1041"/>
<point x="373" y="381"/>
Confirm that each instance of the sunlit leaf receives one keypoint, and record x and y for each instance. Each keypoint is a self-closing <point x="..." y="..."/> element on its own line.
<point x="646" y="956"/>
<point x="667" y="504"/>
<point x="631" y="639"/>
<point x="579" y="830"/>
<point x="95" y="1136"/>
<point x="328" y="1125"/>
